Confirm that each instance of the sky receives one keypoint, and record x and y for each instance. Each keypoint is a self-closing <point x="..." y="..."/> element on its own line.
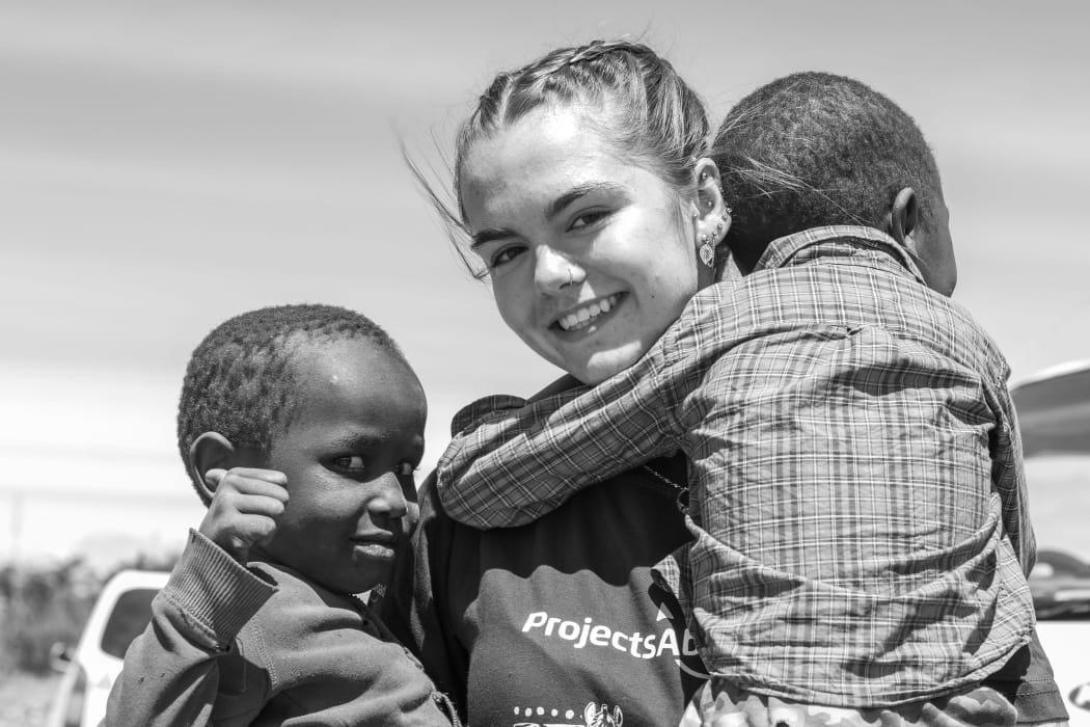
<point x="164" y="166"/>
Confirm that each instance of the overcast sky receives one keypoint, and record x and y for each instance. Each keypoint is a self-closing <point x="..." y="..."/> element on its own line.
<point x="164" y="166"/>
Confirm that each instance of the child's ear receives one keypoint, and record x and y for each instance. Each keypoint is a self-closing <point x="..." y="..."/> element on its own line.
<point x="209" y="451"/>
<point x="903" y="218"/>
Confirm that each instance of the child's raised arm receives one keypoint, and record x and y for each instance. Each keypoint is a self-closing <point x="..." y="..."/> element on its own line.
<point x="173" y="671"/>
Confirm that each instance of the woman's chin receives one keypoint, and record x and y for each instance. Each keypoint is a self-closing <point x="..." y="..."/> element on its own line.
<point x="603" y="364"/>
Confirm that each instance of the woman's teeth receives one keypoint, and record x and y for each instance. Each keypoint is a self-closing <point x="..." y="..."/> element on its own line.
<point x="582" y="317"/>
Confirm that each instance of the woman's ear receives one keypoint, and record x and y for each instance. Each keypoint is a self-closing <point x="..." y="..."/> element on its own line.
<point x="711" y="219"/>
<point x="709" y="193"/>
<point x="210" y="451"/>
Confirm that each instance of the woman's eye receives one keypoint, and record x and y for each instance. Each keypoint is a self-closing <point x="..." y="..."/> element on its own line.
<point x="505" y="255"/>
<point x="353" y="463"/>
<point x="586" y="219"/>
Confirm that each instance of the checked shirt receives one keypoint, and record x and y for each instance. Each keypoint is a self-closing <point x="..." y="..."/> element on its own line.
<point x="856" y="490"/>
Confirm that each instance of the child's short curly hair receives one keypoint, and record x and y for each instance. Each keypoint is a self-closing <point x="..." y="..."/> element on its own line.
<point x="240" y="381"/>
<point x="814" y="149"/>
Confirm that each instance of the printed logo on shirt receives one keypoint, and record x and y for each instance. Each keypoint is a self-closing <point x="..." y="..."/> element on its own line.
<point x="593" y="716"/>
<point x="588" y="634"/>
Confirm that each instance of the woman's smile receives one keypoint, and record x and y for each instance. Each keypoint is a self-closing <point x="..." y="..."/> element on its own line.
<point x="588" y="315"/>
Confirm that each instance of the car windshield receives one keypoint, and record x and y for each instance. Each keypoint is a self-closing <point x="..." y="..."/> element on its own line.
<point x="1059" y="504"/>
<point x="129" y="618"/>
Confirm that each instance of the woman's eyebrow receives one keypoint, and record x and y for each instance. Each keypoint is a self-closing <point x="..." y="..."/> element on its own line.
<point x="557" y="205"/>
<point x="488" y="235"/>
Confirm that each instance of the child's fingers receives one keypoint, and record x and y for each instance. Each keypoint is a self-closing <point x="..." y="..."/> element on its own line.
<point x="243" y="481"/>
<point x="257" y="473"/>
<point x="252" y="503"/>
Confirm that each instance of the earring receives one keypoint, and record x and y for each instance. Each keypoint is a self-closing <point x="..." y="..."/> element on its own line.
<point x="707" y="251"/>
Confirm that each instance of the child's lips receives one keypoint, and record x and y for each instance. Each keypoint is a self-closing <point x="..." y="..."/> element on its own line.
<point x="381" y="538"/>
<point x="375" y="544"/>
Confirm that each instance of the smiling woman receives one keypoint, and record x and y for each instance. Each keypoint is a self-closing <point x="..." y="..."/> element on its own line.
<point x="587" y="221"/>
<point x="591" y="257"/>
<point x="585" y="190"/>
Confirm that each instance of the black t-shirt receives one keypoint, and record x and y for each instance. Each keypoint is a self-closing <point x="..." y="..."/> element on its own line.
<point x="558" y="622"/>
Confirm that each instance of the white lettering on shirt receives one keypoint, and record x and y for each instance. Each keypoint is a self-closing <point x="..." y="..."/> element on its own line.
<point x="596" y="635"/>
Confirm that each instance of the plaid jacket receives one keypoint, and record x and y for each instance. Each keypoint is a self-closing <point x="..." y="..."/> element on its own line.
<point x="857" y="494"/>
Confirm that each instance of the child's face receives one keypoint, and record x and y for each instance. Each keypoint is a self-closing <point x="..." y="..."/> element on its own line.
<point x="349" y="455"/>
<point x="590" y="255"/>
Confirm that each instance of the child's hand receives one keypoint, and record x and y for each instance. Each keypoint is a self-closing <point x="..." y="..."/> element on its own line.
<point x="245" y="508"/>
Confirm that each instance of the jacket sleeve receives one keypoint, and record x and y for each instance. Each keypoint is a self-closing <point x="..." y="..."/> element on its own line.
<point x="518" y="461"/>
<point x="172" y="672"/>
<point x="415" y="605"/>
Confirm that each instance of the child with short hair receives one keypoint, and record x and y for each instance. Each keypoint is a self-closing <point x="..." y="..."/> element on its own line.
<point x="857" y="495"/>
<point x="300" y="427"/>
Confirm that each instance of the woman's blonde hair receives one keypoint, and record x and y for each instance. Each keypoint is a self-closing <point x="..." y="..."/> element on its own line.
<point x="649" y="112"/>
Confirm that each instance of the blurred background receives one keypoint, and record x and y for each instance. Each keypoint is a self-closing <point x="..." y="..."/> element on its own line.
<point x="164" y="166"/>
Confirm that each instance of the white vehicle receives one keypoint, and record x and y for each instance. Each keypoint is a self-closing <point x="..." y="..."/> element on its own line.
<point x="1054" y="417"/>
<point x="120" y="614"/>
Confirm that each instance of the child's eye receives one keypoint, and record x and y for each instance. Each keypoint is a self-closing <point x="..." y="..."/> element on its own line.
<point x="586" y="219"/>
<point x="406" y="469"/>
<point x="352" y="463"/>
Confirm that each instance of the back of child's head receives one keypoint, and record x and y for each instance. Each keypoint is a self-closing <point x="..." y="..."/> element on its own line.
<point x="241" y="381"/>
<point x="815" y="149"/>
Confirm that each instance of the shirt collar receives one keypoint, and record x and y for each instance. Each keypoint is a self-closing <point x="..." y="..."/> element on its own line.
<point x="781" y="252"/>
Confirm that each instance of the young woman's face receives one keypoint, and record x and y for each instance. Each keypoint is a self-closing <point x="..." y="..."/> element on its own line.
<point x="591" y="256"/>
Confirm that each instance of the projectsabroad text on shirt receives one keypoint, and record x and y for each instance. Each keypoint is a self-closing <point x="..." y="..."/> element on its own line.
<point x="559" y="630"/>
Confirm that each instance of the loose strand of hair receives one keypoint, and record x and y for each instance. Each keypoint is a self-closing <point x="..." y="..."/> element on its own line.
<point x="453" y="226"/>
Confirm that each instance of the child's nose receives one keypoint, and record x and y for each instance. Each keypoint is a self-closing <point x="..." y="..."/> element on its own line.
<point x="389" y="502"/>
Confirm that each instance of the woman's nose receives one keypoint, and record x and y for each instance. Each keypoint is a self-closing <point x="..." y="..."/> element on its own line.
<point x="554" y="271"/>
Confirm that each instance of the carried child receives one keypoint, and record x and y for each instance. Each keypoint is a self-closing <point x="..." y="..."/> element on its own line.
<point x="856" y="487"/>
<point x="300" y="427"/>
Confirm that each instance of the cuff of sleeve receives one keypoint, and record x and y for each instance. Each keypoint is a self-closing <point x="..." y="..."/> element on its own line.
<point x="216" y="592"/>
